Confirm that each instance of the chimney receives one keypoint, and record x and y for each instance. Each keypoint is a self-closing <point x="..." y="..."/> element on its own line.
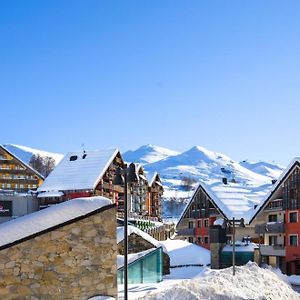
<point x="224" y="179"/>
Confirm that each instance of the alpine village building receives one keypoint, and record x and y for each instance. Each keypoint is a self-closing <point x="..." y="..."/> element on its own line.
<point x="91" y="173"/>
<point x="271" y="217"/>
<point x="18" y="185"/>
<point x="277" y="219"/>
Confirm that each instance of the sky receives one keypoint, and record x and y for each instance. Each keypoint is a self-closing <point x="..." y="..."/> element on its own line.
<point x="220" y="74"/>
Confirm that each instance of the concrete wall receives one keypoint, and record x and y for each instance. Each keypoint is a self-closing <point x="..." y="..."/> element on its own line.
<point x="74" y="261"/>
<point x="22" y="204"/>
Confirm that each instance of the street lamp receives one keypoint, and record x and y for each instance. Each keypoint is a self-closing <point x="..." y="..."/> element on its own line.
<point x="241" y="223"/>
<point x="123" y="177"/>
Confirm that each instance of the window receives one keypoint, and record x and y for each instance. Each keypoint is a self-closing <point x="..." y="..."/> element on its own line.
<point x="293" y="217"/>
<point x="206" y="223"/>
<point x="191" y="224"/>
<point x="199" y="223"/>
<point x="191" y="239"/>
<point x="199" y="240"/>
<point x="206" y="240"/>
<point x="272" y="240"/>
<point x="272" y="218"/>
<point x="293" y="240"/>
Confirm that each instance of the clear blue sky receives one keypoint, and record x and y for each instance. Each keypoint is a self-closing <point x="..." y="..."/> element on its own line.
<point x="221" y="74"/>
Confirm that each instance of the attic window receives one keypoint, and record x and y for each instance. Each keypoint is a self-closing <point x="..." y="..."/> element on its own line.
<point x="73" y="157"/>
<point x="84" y="156"/>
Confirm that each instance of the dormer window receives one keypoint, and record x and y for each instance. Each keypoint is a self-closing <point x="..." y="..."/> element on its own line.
<point x="84" y="156"/>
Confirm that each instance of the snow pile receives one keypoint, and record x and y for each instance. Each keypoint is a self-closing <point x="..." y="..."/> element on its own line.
<point x="241" y="247"/>
<point x="183" y="253"/>
<point x="250" y="282"/>
<point x="44" y="219"/>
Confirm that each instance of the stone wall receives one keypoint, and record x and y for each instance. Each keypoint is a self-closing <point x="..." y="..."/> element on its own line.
<point x="215" y="255"/>
<point x="137" y="244"/>
<point x="76" y="260"/>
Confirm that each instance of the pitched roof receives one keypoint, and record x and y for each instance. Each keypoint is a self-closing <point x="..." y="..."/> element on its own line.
<point x="152" y="177"/>
<point x="232" y="199"/>
<point x="79" y="171"/>
<point x="274" y="188"/>
<point x="22" y="162"/>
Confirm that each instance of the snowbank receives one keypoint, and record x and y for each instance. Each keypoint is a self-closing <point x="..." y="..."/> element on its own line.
<point x="41" y="220"/>
<point x="184" y="253"/>
<point x="250" y="282"/>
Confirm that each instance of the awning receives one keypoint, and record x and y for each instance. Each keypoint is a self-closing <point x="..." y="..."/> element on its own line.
<point x="50" y="194"/>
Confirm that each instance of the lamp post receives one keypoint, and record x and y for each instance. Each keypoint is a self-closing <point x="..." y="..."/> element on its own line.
<point x="123" y="177"/>
<point x="241" y="223"/>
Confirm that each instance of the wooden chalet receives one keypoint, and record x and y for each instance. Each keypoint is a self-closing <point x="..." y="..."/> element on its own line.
<point x="277" y="220"/>
<point x="16" y="175"/>
<point x="139" y="193"/>
<point x="214" y="205"/>
<point x="156" y="190"/>
<point x="84" y="174"/>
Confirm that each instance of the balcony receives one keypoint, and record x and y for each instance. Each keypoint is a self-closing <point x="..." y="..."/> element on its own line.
<point x="276" y="250"/>
<point x="271" y="227"/>
<point x="275" y="205"/>
<point x="186" y="231"/>
<point x="213" y="212"/>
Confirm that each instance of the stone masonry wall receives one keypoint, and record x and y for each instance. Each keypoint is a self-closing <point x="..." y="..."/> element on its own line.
<point x="76" y="261"/>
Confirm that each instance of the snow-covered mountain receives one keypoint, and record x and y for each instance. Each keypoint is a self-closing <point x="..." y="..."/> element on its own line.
<point x="210" y="167"/>
<point x="148" y="154"/>
<point x="264" y="168"/>
<point x="25" y="153"/>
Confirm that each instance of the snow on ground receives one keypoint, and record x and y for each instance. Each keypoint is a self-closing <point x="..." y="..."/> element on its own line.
<point x="22" y="227"/>
<point x="185" y="253"/>
<point x="250" y="282"/>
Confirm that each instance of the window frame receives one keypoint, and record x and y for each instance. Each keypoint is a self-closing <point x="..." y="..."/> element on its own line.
<point x="291" y="235"/>
<point x="292" y="212"/>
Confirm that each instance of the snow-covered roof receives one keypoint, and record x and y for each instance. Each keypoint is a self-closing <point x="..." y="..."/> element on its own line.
<point x="23" y="227"/>
<point x="137" y="231"/>
<point x="151" y="177"/>
<point x="240" y="247"/>
<point x="133" y="257"/>
<point x="22" y="162"/>
<point x="232" y="199"/>
<point x="185" y="253"/>
<point x="275" y="186"/>
<point x="82" y="173"/>
<point x="50" y="194"/>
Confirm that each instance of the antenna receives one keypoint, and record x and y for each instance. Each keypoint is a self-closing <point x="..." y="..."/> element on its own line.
<point x="82" y="146"/>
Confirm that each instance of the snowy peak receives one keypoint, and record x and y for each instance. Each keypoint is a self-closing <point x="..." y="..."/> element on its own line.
<point x="264" y="168"/>
<point x="205" y="165"/>
<point x="25" y="153"/>
<point x="148" y="154"/>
